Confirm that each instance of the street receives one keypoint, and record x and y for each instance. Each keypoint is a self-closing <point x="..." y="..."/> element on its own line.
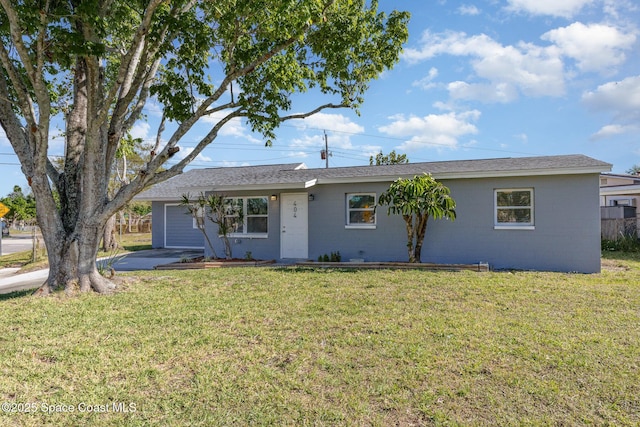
<point x="13" y="244"/>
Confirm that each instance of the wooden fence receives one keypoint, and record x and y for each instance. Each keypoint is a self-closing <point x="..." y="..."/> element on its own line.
<point x="612" y="229"/>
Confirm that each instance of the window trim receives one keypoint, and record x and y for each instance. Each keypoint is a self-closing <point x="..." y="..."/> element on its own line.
<point x="245" y="233"/>
<point x="200" y="214"/>
<point x="348" y="210"/>
<point x="513" y="226"/>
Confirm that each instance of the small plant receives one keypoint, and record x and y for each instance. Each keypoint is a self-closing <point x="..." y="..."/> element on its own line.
<point x="624" y="243"/>
<point x="333" y="257"/>
<point x="248" y="256"/>
<point x="105" y="266"/>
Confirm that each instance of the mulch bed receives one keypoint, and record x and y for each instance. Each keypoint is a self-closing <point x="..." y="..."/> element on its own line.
<point x="200" y="263"/>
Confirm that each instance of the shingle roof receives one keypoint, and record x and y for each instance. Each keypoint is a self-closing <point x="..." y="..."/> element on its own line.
<point x="196" y="180"/>
<point x="296" y="175"/>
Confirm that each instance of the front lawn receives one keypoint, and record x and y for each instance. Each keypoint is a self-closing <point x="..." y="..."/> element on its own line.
<point x="324" y="347"/>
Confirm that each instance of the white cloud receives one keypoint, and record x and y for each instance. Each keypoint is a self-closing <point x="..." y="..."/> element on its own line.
<point x="153" y="108"/>
<point x="622" y="100"/>
<point x="334" y="122"/>
<point x="622" y="97"/>
<point x="525" y="68"/>
<point x="504" y="72"/>
<point x="308" y="141"/>
<point x="184" y="151"/>
<point x="236" y="129"/>
<point x="609" y="131"/>
<point x="560" y="8"/>
<point x="316" y="141"/>
<point x="427" y="81"/>
<point x="299" y="154"/>
<point x="595" y="47"/>
<point x="141" y="130"/>
<point x="523" y="137"/>
<point x="231" y="164"/>
<point x="494" y="92"/>
<point x="619" y="8"/>
<point x="468" y="10"/>
<point x="435" y="130"/>
<point x="339" y="130"/>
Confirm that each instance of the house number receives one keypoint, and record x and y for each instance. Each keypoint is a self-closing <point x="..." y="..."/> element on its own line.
<point x="295" y="209"/>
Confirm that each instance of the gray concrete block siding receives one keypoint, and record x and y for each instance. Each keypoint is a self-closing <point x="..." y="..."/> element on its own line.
<point x="565" y="235"/>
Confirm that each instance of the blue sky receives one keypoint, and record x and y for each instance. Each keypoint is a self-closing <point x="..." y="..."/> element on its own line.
<point x="483" y="79"/>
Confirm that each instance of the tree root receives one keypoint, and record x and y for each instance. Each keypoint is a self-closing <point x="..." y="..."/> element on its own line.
<point x="96" y="282"/>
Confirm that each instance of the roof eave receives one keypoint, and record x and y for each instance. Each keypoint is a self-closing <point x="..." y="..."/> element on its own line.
<point x="622" y="190"/>
<point x="470" y="175"/>
<point x="253" y="187"/>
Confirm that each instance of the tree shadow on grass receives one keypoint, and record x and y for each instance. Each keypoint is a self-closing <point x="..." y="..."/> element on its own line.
<point x="16" y="294"/>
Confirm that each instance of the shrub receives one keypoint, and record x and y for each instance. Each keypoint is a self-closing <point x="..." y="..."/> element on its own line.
<point x="625" y="243"/>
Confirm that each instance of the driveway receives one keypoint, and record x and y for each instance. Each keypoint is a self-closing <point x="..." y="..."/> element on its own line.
<point x="140" y="260"/>
<point x="148" y="259"/>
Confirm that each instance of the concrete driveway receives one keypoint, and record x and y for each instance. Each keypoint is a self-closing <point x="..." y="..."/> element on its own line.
<point x="10" y="281"/>
<point x="148" y="259"/>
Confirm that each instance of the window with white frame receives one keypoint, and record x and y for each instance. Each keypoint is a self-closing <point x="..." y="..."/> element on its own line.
<point x="361" y="210"/>
<point x="514" y="208"/>
<point x="198" y="218"/>
<point x="247" y="216"/>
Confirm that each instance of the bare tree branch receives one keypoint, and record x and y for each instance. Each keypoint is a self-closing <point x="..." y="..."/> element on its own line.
<point x="24" y="99"/>
<point x="312" y="112"/>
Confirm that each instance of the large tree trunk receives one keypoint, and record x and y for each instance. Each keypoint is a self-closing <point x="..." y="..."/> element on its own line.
<point x="63" y="266"/>
<point x="72" y="263"/>
<point x="88" y="275"/>
<point x="109" y="242"/>
<point x="73" y="232"/>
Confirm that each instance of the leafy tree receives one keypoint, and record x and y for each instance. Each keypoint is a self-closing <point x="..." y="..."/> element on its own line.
<point x="137" y="211"/>
<point x="417" y="199"/>
<point x="634" y="170"/>
<point x="129" y="161"/>
<point x="21" y="207"/>
<point x="219" y="209"/>
<point x="93" y="66"/>
<point x="391" y="159"/>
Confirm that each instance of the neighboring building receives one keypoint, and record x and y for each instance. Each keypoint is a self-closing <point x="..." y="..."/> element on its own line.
<point x="536" y="213"/>
<point x="619" y="201"/>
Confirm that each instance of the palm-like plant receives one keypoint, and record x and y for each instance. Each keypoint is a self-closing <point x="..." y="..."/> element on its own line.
<point x="417" y="199"/>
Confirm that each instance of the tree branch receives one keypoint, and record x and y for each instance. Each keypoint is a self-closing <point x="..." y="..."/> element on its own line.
<point x="24" y="99"/>
<point x="131" y="59"/>
<point x="312" y="112"/>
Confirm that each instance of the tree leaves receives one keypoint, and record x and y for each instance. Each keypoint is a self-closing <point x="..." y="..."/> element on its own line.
<point x="417" y="199"/>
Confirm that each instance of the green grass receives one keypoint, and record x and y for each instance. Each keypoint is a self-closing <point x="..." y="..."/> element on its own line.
<point x="327" y="347"/>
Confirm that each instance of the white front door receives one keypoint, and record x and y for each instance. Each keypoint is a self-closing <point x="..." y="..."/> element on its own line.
<point x="294" y="225"/>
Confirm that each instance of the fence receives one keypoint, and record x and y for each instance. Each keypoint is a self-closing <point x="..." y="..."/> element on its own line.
<point x="612" y="229"/>
<point x="139" y="226"/>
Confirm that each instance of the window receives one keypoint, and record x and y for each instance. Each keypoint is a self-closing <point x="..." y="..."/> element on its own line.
<point x="198" y="218"/>
<point x="361" y="210"/>
<point x="514" y="208"/>
<point x="247" y="215"/>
